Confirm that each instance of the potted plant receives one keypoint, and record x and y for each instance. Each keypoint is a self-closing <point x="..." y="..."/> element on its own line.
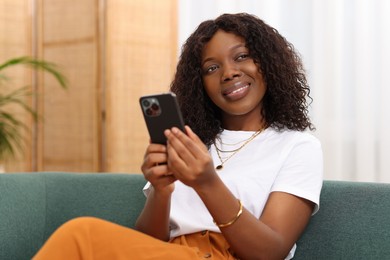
<point x="11" y="127"/>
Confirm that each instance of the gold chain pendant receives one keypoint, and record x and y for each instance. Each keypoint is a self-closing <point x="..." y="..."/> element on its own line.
<point x="219" y="167"/>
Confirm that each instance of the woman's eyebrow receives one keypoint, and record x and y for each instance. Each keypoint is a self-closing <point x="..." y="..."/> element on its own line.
<point x="206" y="60"/>
<point x="231" y="48"/>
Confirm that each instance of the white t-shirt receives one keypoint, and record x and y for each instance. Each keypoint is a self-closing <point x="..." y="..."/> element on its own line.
<point x="287" y="161"/>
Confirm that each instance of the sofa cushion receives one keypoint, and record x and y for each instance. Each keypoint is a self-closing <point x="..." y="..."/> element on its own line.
<point x="22" y="215"/>
<point x="33" y="205"/>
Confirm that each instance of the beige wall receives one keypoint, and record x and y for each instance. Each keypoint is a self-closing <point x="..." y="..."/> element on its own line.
<point x="112" y="52"/>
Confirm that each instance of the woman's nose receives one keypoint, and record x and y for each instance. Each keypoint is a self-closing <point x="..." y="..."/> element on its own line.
<point x="230" y="72"/>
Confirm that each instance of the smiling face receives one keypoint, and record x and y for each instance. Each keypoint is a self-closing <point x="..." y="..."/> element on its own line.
<point x="233" y="81"/>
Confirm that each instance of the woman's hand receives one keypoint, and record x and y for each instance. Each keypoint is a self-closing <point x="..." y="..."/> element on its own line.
<point x="154" y="218"/>
<point x="188" y="158"/>
<point x="155" y="168"/>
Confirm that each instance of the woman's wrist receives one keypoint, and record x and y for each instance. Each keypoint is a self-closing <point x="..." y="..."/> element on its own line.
<point x="161" y="194"/>
<point x="208" y="185"/>
<point x="233" y="220"/>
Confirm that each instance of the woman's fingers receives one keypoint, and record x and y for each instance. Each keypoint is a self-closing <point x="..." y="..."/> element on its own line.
<point x="157" y="172"/>
<point x="155" y="160"/>
<point x="155" y="154"/>
<point x="187" y="145"/>
<point x="193" y="136"/>
<point x="155" y="148"/>
<point x="188" y="157"/>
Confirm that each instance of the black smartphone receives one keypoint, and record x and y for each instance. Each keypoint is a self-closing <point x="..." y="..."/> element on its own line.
<point x="161" y="112"/>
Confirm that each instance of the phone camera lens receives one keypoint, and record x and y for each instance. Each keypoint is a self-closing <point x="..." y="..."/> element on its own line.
<point x="155" y="106"/>
<point x="149" y="112"/>
<point x="146" y="103"/>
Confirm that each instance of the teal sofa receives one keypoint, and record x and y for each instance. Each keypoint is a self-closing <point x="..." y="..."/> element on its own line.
<point x="353" y="221"/>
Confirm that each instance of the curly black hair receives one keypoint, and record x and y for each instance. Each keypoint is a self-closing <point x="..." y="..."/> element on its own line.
<point x="284" y="103"/>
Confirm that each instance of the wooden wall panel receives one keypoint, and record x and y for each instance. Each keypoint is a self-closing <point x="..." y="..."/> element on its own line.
<point x="15" y="41"/>
<point x="141" y="50"/>
<point x="69" y="134"/>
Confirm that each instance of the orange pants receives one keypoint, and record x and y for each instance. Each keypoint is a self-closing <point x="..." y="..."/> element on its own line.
<point x="93" y="238"/>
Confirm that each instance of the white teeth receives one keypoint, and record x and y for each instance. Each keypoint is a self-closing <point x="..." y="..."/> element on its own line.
<point x="238" y="90"/>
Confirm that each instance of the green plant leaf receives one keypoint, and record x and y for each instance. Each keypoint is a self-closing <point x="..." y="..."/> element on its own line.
<point x="15" y="98"/>
<point x="11" y="138"/>
<point x="37" y="64"/>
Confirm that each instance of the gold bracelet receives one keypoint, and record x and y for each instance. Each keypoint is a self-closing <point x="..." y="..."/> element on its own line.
<point x="233" y="220"/>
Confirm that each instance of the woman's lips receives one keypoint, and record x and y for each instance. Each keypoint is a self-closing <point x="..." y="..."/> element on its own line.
<point x="236" y="92"/>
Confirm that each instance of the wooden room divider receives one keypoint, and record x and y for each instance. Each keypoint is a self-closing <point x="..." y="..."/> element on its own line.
<point x="112" y="52"/>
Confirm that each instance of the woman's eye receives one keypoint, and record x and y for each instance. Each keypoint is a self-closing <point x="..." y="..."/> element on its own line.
<point x="211" y="68"/>
<point x="242" y="57"/>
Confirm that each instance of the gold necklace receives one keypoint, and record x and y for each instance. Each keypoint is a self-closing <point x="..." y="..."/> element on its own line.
<point x="235" y="144"/>
<point x="226" y="151"/>
<point x="230" y="151"/>
<point x="219" y="167"/>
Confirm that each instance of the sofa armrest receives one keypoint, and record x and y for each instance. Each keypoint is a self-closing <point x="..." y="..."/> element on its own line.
<point x="353" y="223"/>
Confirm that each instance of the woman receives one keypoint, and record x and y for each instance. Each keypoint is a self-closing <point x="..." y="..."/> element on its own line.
<point x="244" y="179"/>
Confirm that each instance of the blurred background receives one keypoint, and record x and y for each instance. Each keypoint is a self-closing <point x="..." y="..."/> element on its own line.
<point x="114" y="51"/>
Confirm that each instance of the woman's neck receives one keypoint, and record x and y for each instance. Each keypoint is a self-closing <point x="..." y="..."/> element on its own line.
<point x="238" y="123"/>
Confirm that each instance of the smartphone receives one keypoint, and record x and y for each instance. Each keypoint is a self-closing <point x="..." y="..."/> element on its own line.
<point x="161" y="112"/>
